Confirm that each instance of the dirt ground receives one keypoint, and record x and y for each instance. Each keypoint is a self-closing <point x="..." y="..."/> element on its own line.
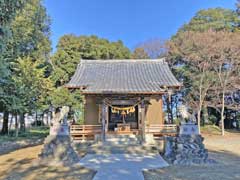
<point x="21" y="165"/>
<point x="18" y="165"/>
<point x="225" y="150"/>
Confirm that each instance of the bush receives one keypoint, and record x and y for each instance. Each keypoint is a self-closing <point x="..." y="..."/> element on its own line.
<point x="212" y="120"/>
<point x="32" y="133"/>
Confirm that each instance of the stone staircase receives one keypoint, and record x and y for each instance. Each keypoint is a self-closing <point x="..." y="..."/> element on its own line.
<point x="121" y="144"/>
<point x="122" y="139"/>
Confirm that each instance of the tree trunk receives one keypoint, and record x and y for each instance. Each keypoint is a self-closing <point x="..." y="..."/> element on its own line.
<point x="200" y="107"/>
<point x="22" y="122"/>
<point x="36" y="118"/>
<point x="16" y="125"/>
<point x="199" y="120"/>
<point x="222" y="113"/>
<point x="205" y="115"/>
<point x="42" y="120"/>
<point x="10" y="125"/>
<point x="48" y="119"/>
<point x="5" y="123"/>
<point x="176" y="108"/>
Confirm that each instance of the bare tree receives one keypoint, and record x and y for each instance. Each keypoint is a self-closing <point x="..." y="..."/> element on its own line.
<point x="212" y="59"/>
<point x="193" y="49"/>
<point x="154" y="48"/>
<point x="139" y="53"/>
<point x="226" y="62"/>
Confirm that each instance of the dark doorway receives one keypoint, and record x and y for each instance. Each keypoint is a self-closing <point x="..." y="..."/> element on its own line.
<point x="117" y="118"/>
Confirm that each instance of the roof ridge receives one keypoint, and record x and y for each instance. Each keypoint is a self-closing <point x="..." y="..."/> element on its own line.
<point x="121" y="60"/>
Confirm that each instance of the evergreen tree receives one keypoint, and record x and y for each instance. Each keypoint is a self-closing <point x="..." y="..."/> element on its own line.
<point x="30" y="30"/>
<point x="7" y="13"/>
<point x="71" y="49"/>
<point x="217" y="19"/>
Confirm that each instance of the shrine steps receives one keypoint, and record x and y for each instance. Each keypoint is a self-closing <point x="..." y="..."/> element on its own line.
<point x="102" y="148"/>
<point x="122" y="139"/>
<point x="122" y="144"/>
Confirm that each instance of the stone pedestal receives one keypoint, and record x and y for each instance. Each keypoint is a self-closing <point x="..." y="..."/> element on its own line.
<point x="59" y="130"/>
<point x="188" y="129"/>
<point x="186" y="150"/>
<point x="57" y="148"/>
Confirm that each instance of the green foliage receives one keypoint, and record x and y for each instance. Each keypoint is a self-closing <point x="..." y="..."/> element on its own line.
<point x="71" y="49"/>
<point x="63" y="97"/>
<point x="217" y="19"/>
<point x="211" y="129"/>
<point x="212" y="119"/>
<point x="33" y="84"/>
<point x="65" y="60"/>
<point x="177" y="121"/>
<point x="29" y="46"/>
<point x="31" y="134"/>
<point x="8" y="10"/>
<point x="30" y="32"/>
<point x="28" y="88"/>
<point x="93" y="47"/>
<point x="78" y="115"/>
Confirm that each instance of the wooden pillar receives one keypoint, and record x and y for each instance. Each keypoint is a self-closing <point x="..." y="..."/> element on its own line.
<point x="104" y="107"/>
<point x="143" y="119"/>
<point x="107" y="118"/>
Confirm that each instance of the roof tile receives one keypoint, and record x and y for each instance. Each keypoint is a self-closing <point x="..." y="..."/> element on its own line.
<point x="123" y="76"/>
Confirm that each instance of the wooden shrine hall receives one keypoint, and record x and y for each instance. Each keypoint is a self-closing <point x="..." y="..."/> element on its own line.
<point x="122" y="96"/>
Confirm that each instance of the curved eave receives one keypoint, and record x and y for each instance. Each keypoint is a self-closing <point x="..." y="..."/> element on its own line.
<point x="122" y="92"/>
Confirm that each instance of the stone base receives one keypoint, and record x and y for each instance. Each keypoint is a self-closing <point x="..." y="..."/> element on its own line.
<point x="57" y="150"/>
<point x="59" y="130"/>
<point x="186" y="150"/>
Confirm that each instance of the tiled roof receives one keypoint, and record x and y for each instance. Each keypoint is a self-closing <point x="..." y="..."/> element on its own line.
<point x="123" y="76"/>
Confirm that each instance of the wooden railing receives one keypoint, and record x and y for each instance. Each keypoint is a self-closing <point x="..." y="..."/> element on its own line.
<point x="162" y="129"/>
<point x="84" y="132"/>
<point x="88" y="132"/>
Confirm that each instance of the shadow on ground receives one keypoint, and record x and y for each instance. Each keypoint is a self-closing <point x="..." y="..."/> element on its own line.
<point x="25" y="169"/>
<point x="227" y="168"/>
<point x="22" y="165"/>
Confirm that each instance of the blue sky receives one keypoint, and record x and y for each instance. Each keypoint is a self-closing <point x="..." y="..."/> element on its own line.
<point x="132" y="21"/>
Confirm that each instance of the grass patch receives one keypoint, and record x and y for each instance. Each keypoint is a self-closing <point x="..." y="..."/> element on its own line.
<point x="211" y="129"/>
<point x="39" y="131"/>
<point x="29" y="134"/>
